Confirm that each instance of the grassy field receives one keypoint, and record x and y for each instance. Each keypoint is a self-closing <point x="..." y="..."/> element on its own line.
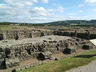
<point x="5" y="27"/>
<point x="65" y="64"/>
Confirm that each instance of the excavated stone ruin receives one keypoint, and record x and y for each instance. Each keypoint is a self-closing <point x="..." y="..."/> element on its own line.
<point x="12" y="52"/>
<point x="19" y="45"/>
<point x="21" y="34"/>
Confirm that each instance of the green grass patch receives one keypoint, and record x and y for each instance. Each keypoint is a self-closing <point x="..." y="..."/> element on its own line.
<point x="5" y="27"/>
<point x="64" y="64"/>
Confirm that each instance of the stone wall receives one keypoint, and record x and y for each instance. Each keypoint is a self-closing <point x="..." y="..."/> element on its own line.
<point x="19" y="45"/>
<point x="77" y="33"/>
<point x="21" y="34"/>
<point x="14" y="51"/>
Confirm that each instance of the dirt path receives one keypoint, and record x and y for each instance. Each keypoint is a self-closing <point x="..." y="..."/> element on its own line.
<point x="91" y="67"/>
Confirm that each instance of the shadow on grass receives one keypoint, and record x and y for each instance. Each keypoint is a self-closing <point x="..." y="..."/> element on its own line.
<point x="84" y="56"/>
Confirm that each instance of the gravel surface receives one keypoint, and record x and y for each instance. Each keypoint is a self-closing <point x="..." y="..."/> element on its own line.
<point x="91" y="67"/>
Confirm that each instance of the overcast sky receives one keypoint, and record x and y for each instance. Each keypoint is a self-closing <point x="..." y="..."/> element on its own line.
<point x="34" y="11"/>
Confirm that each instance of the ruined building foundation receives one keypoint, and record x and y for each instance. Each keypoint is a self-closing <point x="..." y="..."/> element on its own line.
<point x="12" y="52"/>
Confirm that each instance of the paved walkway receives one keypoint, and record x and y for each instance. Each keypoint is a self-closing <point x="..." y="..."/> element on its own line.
<point x="91" y="67"/>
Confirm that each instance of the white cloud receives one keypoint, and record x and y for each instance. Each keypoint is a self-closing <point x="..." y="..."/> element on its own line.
<point x="24" y="12"/>
<point x="40" y="11"/>
<point x="60" y="9"/>
<point x="35" y="1"/>
<point x="45" y="1"/>
<point x="20" y="3"/>
<point x="92" y="2"/>
<point x="80" y="5"/>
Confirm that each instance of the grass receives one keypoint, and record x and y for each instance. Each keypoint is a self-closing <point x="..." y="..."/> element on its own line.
<point x="65" y="64"/>
<point x="5" y="27"/>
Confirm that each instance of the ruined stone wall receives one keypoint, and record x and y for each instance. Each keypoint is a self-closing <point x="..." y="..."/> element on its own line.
<point x="77" y="33"/>
<point x="14" y="51"/>
<point x="21" y="34"/>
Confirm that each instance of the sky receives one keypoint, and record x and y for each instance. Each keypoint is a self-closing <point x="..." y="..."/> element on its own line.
<point x="42" y="11"/>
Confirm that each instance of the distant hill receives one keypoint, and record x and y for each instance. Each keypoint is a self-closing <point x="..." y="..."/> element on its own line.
<point x="74" y="22"/>
<point x="57" y="23"/>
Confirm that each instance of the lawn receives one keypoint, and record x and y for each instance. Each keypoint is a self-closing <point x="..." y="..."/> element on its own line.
<point x="65" y="64"/>
<point x="5" y="27"/>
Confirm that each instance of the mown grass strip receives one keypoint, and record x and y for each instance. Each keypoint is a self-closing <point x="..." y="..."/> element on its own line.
<point x="65" y="64"/>
<point x="5" y="27"/>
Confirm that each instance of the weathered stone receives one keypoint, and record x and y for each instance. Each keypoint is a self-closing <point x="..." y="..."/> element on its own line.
<point x="44" y="55"/>
<point x="14" y="51"/>
<point x="52" y="58"/>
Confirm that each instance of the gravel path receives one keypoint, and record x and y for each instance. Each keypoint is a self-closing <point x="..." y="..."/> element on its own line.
<point x="91" y="67"/>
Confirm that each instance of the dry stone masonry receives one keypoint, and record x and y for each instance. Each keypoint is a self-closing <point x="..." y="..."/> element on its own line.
<point x="12" y="52"/>
<point x="17" y="46"/>
<point x="21" y="34"/>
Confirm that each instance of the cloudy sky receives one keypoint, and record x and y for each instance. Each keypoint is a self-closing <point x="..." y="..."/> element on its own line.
<point x="40" y="11"/>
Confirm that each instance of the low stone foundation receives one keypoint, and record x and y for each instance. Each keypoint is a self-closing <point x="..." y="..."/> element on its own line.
<point x="22" y="34"/>
<point x="12" y="52"/>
